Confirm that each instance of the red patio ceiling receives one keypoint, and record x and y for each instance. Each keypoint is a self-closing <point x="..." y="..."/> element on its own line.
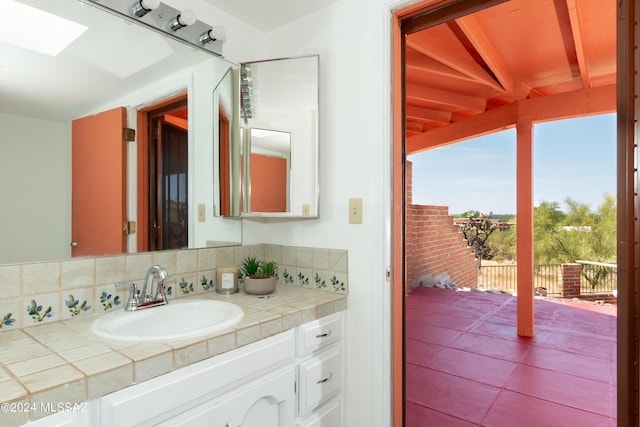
<point x="518" y="50"/>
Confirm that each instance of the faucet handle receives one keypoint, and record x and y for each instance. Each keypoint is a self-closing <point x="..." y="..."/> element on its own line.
<point x="160" y="295"/>
<point x="132" y="301"/>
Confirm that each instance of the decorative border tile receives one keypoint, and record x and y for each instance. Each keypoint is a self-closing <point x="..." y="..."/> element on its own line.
<point x="41" y="308"/>
<point x="36" y="293"/>
<point x="109" y="298"/>
<point x="207" y="281"/>
<point x="10" y="314"/>
<point x="77" y="302"/>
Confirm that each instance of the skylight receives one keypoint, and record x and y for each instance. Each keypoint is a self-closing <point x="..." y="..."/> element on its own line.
<point x="34" y="29"/>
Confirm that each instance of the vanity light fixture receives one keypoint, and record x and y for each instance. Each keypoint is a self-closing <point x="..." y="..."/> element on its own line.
<point x="185" y="18"/>
<point x="142" y="7"/>
<point x="178" y="25"/>
<point x="247" y="109"/>
<point x="215" y="33"/>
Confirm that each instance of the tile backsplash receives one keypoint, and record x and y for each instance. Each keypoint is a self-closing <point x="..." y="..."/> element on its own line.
<point x="34" y="293"/>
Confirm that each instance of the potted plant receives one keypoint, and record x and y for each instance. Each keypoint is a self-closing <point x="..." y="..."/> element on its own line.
<point x="259" y="276"/>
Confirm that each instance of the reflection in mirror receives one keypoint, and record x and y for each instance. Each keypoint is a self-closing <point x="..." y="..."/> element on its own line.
<point x="228" y="177"/>
<point x="279" y="111"/>
<point x="267" y="187"/>
<point x="103" y="69"/>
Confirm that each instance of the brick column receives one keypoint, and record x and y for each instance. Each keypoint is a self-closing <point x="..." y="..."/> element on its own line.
<point x="570" y="285"/>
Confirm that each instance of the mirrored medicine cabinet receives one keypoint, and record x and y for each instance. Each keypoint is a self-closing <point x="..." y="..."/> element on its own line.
<point x="276" y="153"/>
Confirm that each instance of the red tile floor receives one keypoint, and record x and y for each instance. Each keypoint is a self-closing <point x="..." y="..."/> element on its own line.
<point x="466" y="366"/>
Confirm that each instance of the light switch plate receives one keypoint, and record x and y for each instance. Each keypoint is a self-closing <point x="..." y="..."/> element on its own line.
<point x="201" y="213"/>
<point x="355" y="211"/>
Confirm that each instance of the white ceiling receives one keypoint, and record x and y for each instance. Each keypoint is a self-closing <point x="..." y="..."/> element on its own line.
<point x="266" y="15"/>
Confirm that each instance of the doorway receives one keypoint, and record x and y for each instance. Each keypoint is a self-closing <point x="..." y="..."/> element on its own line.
<point x="413" y="16"/>
<point x="163" y="198"/>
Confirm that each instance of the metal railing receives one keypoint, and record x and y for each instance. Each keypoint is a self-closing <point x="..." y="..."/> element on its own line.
<point x="547" y="278"/>
<point x="598" y="277"/>
<point x="595" y="278"/>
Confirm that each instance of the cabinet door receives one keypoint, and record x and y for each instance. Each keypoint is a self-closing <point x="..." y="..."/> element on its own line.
<point x="269" y="402"/>
<point x="265" y="402"/>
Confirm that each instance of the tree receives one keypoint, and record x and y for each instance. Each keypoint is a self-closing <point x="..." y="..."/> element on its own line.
<point x="503" y="243"/>
<point x="547" y="218"/>
<point x="578" y="234"/>
<point x="477" y="230"/>
<point x="466" y="214"/>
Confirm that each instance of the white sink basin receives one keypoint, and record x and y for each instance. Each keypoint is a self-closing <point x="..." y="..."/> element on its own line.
<point x="178" y="319"/>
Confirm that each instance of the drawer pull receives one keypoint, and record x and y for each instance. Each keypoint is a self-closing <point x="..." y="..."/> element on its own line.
<point x="326" y="334"/>
<point x="324" y="380"/>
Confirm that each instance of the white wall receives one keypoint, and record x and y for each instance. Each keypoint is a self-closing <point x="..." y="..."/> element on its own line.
<point x="35" y="189"/>
<point x="353" y="40"/>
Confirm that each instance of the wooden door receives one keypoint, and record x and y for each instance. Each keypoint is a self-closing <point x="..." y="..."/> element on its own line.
<point x="224" y="162"/>
<point x="98" y="170"/>
<point x="268" y="183"/>
<point x="171" y="203"/>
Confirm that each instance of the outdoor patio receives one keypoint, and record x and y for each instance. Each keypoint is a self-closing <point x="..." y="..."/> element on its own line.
<point x="466" y="366"/>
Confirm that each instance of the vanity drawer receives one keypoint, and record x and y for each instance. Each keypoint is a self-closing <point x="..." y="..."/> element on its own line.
<point x="318" y="378"/>
<point x="319" y="333"/>
<point x="328" y="415"/>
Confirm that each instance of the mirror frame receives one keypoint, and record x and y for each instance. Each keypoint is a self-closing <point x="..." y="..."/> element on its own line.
<point x="310" y="210"/>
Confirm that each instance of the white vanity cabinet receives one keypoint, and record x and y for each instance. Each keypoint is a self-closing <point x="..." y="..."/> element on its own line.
<point x="294" y="378"/>
<point x="267" y="402"/>
<point x="252" y="382"/>
<point x="319" y="369"/>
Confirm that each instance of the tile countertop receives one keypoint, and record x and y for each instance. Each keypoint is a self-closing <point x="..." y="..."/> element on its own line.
<point x="64" y="362"/>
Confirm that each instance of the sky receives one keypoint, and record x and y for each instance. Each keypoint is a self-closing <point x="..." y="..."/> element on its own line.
<point x="572" y="158"/>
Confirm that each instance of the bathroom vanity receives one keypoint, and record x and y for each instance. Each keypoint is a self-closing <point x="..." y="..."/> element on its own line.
<point x="292" y="378"/>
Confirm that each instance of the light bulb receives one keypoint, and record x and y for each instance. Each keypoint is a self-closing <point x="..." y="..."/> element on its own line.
<point x="218" y="33"/>
<point x="215" y="33"/>
<point x="186" y="17"/>
<point x="150" y="4"/>
<point x="142" y="7"/>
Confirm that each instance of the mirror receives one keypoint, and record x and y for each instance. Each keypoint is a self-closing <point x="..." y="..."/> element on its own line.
<point x="269" y="163"/>
<point x="227" y="181"/>
<point x="279" y="120"/>
<point x="112" y="63"/>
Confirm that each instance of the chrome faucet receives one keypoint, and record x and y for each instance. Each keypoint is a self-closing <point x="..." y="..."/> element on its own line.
<point x="147" y="299"/>
<point x="146" y="292"/>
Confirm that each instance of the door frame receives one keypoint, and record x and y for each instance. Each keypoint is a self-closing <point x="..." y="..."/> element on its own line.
<point x="628" y="204"/>
<point x="143" y="124"/>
